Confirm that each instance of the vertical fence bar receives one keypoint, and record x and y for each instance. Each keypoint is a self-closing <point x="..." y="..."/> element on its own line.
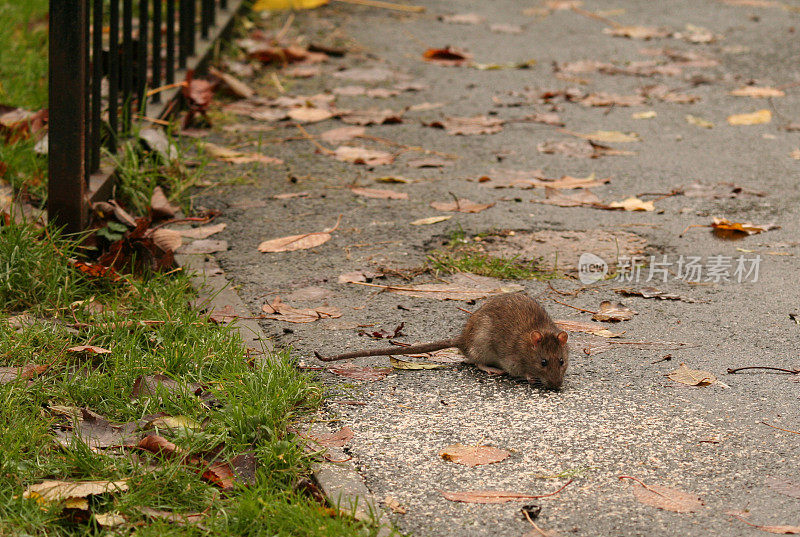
<point x="170" y="41"/>
<point x="127" y="63"/>
<point x="66" y="188"/>
<point x="204" y="22"/>
<point x="223" y="4"/>
<point x="184" y="37"/>
<point x="97" y="77"/>
<point x="87" y="96"/>
<point x="212" y="11"/>
<point x="155" y="80"/>
<point x="113" y="74"/>
<point x="141" y="78"/>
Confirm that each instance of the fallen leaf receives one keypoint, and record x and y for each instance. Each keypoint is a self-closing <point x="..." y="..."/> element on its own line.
<point x="754" y="118"/>
<point x="666" y="498"/>
<point x="650" y="114"/>
<point x="379" y="193"/>
<point x="698" y="121"/>
<point x="338" y="439"/>
<point x="89" y="349"/>
<point x="25" y="372"/>
<point x="233" y="84"/>
<point x="461" y="206"/>
<point x="360" y="373"/>
<point x="181" y="519"/>
<point x="590" y="328"/>
<point x="381" y="93"/>
<point x="398" y="363"/>
<point x="298" y="242"/>
<point x="311" y="292"/>
<point x="168" y="240"/>
<point x="613" y="313"/>
<point x="612" y="136"/>
<point x="612" y="99"/>
<point x="204" y="246"/>
<point x="718" y="191"/>
<point x="202" y="232"/>
<point x="652" y="292"/>
<point x="280" y="311"/>
<point x="463" y="18"/>
<point x="580" y="198"/>
<point x="473" y="455"/>
<point x="637" y="32"/>
<point x="467" y="126"/>
<point x="109" y="520"/>
<point x="784" y="486"/>
<point x="795" y="154"/>
<point x="160" y="207"/>
<point x="422" y="107"/>
<point x="633" y="204"/>
<point x="362" y="155"/>
<point x="758" y="92"/>
<point x="302" y="71"/>
<point x="449" y="56"/>
<point x="486" y="496"/>
<point x="430" y="220"/>
<point x="374" y="74"/>
<point x="549" y="118"/>
<point x="394" y="505"/>
<point x="578" y="148"/>
<point x="429" y="162"/>
<point x="725" y="228"/>
<point x="692" y="377"/>
<point x="156" y="385"/>
<point x="307" y="114"/>
<point x="461" y="287"/>
<point x="342" y="134"/>
<point x="65" y="491"/>
<point x="371" y="116"/>
<point x="237" y="157"/>
<point x="290" y="195"/>
<point x="354" y="276"/>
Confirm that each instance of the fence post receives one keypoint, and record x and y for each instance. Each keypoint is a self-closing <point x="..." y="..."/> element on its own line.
<point x="66" y="191"/>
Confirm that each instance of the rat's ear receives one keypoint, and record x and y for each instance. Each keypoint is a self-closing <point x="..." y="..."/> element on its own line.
<point x="562" y="338"/>
<point x="536" y="337"/>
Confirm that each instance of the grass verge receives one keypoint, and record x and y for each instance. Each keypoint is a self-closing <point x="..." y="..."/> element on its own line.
<point x="48" y="307"/>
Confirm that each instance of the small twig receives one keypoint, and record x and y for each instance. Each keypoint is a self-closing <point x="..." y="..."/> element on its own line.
<point x="553" y="493"/>
<point x="286" y="26"/>
<point x="313" y="141"/>
<point x="458" y="203"/>
<point x="596" y="17"/>
<point x="791" y="371"/>
<point x="780" y="428"/>
<point x="165" y="88"/>
<point x="661" y="195"/>
<point x="203" y="219"/>
<point x="464" y="310"/>
<point x="573" y="307"/>
<point x="537" y="528"/>
<point x="385" y="5"/>
<point x="153" y="120"/>
<point x="690" y="227"/>
<point x="642" y="484"/>
<point x="664" y="359"/>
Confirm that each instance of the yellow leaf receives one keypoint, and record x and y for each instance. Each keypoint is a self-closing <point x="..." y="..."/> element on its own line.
<point x="430" y="220"/>
<point x="633" y="204"/>
<point x="700" y="122"/>
<point x="761" y="116"/>
<point x="650" y="114"/>
<point x="611" y="136"/>
<point x="274" y="5"/>
<point x="756" y="91"/>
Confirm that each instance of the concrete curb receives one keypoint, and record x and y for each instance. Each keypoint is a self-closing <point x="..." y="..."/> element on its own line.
<point x="341" y="483"/>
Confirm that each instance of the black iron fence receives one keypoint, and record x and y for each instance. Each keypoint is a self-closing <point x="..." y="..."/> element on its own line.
<point x="113" y="62"/>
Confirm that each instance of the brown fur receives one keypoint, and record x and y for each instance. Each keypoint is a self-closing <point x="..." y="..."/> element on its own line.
<point x="511" y="332"/>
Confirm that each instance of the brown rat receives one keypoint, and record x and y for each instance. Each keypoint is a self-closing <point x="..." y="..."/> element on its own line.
<point x="509" y="333"/>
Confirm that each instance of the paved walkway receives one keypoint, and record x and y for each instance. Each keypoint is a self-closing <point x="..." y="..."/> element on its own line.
<point x="618" y="413"/>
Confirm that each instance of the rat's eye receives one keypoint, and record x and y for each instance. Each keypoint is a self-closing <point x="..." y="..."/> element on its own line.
<point x="544" y="362"/>
<point x="561" y="361"/>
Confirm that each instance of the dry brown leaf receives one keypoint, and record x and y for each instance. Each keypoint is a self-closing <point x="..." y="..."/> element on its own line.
<point x="65" y="491"/>
<point x="307" y="114"/>
<point x="652" y="292"/>
<point x="633" y="204"/>
<point x="725" y="228"/>
<point x="294" y="242"/>
<point x="473" y="455"/>
<point x="342" y="134"/>
<point x="758" y="92"/>
<point x="613" y="313"/>
<point x="362" y="155"/>
<point x="463" y="18"/>
<point x="237" y="157"/>
<point x="371" y="116"/>
<point x="25" y="372"/>
<point x="611" y="99"/>
<point x="278" y="310"/>
<point x="381" y="93"/>
<point x="692" y="377"/>
<point x="354" y="276"/>
<point x="548" y="118"/>
<point x="430" y="220"/>
<point x="302" y="71"/>
<point x="461" y="206"/>
<point x="637" y="32"/>
<point x="580" y="198"/>
<point x="429" y="162"/>
<point x="754" y="118"/>
<point x="579" y="148"/>
<point x="202" y="232"/>
<point x="698" y="121"/>
<point x="353" y="371"/>
<point x="160" y="207"/>
<point x="168" y="240"/>
<point x="666" y="498"/>
<point x="590" y="328"/>
<point x="379" y="193"/>
<point x="255" y="110"/>
<point x="461" y="287"/>
<point x="89" y="349"/>
<point x="467" y="126"/>
<point x="784" y="486"/>
<point x="611" y="136"/>
<point x="233" y="84"/>
<point x="649" y="114"/>
<point x="338" y="439"/>
<point x="449" y="56"/>
<point x="486" y="496"/>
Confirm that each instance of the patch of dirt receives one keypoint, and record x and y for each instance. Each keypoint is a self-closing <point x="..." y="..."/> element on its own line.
<point x="562" y="249"/>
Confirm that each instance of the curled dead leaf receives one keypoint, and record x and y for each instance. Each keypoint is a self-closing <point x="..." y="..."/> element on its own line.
<point x="461" y="206"/>
<point x="473" y="455"/>
<point x="613" y="313"/>
<point x="379" y="193"/>
<point x="633" y="204"/>
<point x="666" y="498"/>
<point x="449" y="56"/>
<point x="362" y="155"/>
<point x="692" y="377"/>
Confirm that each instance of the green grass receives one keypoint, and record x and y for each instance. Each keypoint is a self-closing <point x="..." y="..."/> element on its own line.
<point x="256" y="404"/>
<point x="460" y="254"/>
<point x="23" y="83"/>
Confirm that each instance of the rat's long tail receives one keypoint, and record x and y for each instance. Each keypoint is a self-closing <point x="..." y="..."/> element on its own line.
<point x="413" y="349"/>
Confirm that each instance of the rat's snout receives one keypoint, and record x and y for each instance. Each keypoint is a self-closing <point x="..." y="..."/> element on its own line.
<point x="544" y="382"/>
